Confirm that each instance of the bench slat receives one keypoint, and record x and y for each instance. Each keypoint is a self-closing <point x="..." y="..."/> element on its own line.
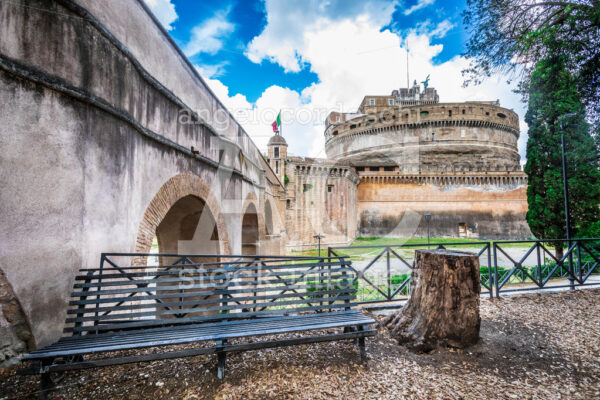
<point x="184" y="311"/>
<point x="140" y="305"/>
<point x="201" y="333"/>
<point x="256" y="264"/>
<point x="93" y="300"/>
<point x="165" y="270"/>
<point x="187" y="320"/>
<point x="209" y="327"/>
<point x="201" y="276"/>
<point x="203" y="286"/>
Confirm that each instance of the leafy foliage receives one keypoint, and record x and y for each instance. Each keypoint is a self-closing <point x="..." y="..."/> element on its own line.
<point x="507" y="36"/>
<point x="552" y="96"/>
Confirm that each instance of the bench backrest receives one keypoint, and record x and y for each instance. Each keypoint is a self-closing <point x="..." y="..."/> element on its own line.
<point x="121" y="295"/>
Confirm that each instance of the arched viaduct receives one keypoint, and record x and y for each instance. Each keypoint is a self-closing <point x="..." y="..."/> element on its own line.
<point x="110" y="138"/>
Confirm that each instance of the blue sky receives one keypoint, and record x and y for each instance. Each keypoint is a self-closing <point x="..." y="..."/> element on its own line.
<point x="259" y="56"/>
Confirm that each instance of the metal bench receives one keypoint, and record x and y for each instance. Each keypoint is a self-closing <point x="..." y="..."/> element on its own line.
<point x="199" y="298"/>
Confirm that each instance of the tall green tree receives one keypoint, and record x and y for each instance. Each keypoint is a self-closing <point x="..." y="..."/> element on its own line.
<point x="552" y="95"/>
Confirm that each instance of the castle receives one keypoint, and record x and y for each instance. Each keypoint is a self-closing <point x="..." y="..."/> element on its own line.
<point x="399" y="157"/>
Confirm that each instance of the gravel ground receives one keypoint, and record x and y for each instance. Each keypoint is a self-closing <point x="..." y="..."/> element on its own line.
<point x="532" y="347"/>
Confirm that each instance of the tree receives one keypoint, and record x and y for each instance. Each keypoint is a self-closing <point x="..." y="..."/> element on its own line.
<point x="507" y="36"/>
<point x="552" y="95"/>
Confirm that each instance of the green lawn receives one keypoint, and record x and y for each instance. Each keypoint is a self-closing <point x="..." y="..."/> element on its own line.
<point x="379" y="241"/>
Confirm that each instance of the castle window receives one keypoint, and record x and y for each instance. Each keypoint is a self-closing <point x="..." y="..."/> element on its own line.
<point x="370" y="121"/>
<point x="391" y="102"/>
<point x="372" y="102"/>
<point x="462" y="229"/>
<point x="288" y="204"/>
<point x="463" y="112"/>
<point x="462" y="133"/>
<point x="335" y="133"/>
<point x="353" y="126"/>
<point x="276" y="152"/>
<point x="500" y="115"/>
<point x="329" y="188"/>
<point x="337" y="119"/>
<point x="424" y="113"/>
<point x="432" y="136"/>
<point x="276" y="167"/>
<point x="360" y="169"/>
<point x="487" y="113"/>
<point x="449" y="113"/>
<point x="388" y="169"/>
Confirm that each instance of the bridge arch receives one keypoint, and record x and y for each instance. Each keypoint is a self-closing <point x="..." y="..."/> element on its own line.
<point x="182" y="204"/>
<point x="273" y="219"/>
<point x="253" y="226"/>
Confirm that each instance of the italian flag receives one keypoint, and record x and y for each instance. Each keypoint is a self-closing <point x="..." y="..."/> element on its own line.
<point x="277" y="123"/>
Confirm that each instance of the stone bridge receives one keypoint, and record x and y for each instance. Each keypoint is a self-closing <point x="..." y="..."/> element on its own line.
<point x="111" y="140"/>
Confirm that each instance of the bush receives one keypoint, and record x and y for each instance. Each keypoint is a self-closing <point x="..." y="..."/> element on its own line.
<point x="397" y="280"/>
<point x="333" y="285"/>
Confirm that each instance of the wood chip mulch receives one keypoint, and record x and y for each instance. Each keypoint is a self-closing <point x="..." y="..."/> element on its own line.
<point x="543" y="346"/>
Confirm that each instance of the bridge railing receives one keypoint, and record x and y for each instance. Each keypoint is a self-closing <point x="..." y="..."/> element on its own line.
<point x="384" y="271"/>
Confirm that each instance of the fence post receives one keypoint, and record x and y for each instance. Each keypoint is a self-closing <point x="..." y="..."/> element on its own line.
<point x="489" y="257"/>
<point x="496" y="270"/>
<point x="389" y="278"/>
<point x="579" y="266"/>
<point x="571" y="269"/>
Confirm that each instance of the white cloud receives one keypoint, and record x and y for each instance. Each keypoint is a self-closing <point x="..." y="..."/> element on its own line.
<point x="420" y="4"/>
<point x="212" y="70"/>
<point x="208" y="37"/>
<point x="289" y="20"/>
<point x="352" y="57"/>
<point x="441" y="29"/>
<point x="235" y="104"/>
<point x="164" y="11"/>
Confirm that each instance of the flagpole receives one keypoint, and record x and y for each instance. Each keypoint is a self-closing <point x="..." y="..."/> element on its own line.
<point x="280" y="126"/>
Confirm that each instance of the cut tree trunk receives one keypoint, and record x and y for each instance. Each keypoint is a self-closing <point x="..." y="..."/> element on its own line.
<point x="443" y="308"/>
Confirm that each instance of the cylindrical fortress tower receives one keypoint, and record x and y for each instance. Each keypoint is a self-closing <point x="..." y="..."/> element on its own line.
<point x="473" y="135"/>
<point x="413" y="154"/>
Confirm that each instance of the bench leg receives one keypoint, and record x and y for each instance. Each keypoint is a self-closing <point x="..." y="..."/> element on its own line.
<point x="45" y="381"/>
<point x="351" y="329"/>
<point x="221" y="357"/>
<point x="361" y="344"/>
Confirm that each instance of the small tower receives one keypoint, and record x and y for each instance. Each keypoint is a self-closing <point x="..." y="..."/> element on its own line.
<point x="277" y="154"/>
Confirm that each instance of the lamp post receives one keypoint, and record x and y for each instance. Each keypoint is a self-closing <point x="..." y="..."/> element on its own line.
<point x="427" y="218"/>
<point x="319" y="237"/>
<point x="562" y="125"/>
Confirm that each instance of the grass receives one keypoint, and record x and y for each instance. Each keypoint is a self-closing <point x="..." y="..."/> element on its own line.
<point x="358" y="253"/>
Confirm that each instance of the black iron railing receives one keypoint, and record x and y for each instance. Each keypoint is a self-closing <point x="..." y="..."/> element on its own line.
<point x="384" y="274"/>
<point x="537" y="266"/>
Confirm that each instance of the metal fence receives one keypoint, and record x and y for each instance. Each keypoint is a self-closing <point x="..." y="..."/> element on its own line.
<point x="384" y="271"/>
<point x="537" y="266"/>
<point x="384" y="274"/>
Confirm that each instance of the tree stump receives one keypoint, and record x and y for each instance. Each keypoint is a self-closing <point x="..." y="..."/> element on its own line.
<point x="443" y="308"/>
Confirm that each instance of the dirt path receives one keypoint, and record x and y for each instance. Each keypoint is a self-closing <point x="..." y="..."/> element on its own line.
<point x="535" y="346"/>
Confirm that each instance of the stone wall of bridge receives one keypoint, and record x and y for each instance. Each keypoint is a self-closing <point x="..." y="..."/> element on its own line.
<point x="106" y="129"/>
